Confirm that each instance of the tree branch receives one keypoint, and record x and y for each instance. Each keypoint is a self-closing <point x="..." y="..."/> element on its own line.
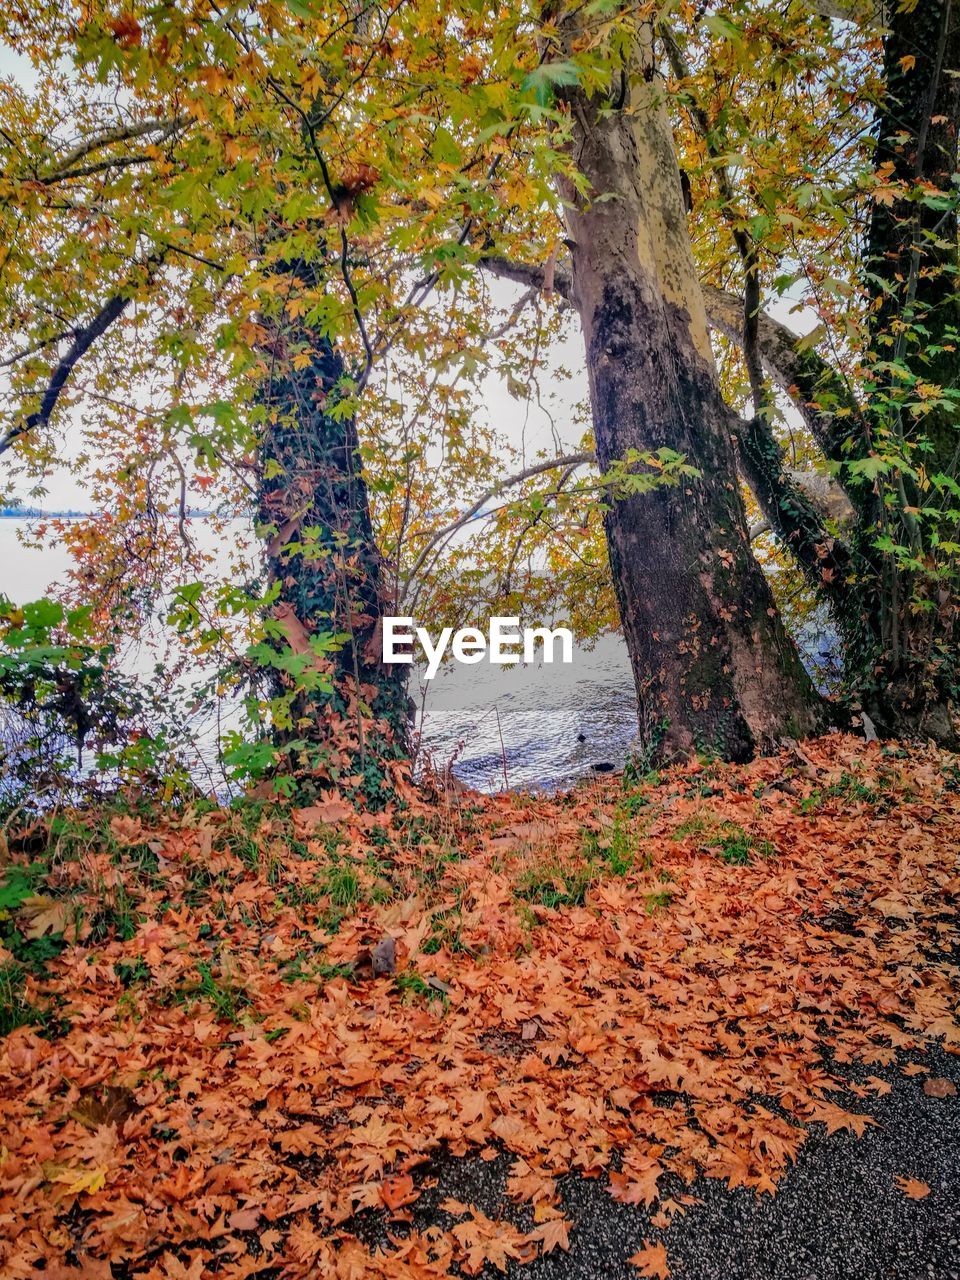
<point x="824" y="558"/>
<point x="532" y="275"/>
<point x="569" y="460"/>
<point x="83" y="340"/>
<point x="817" y="389"/>
<point x="121" y="133"/>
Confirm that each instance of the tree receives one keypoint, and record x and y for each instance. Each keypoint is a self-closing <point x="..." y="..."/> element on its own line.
<point x="889" y="433"/>
<point x="713" y="667"/>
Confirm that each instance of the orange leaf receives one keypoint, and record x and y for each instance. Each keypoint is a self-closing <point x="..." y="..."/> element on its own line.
<point x="912" y="1188"/>
<point x="553" y="1234"/>
<point x="398" y="1191"/>
<point x="651" y="1260"/>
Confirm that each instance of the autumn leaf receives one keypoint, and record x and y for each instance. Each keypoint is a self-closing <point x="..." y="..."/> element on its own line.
<point x="82" y="1181"/>
<point x="939" y="1087"/>
<point x="244" y="1219"/>
<point x="651" y="1260"/>
<point x="399" y="1191"/>
<point x="329" y="813"/>
<point x="912" y="1187"/>
<point x="552" y="1234"/>
<point x="127" y="31"/>
<point x="47" y="915"/>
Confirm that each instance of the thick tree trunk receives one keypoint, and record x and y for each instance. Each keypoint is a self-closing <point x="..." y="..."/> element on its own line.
<point x="348" y="710"/>
<point x="714" y="668"/>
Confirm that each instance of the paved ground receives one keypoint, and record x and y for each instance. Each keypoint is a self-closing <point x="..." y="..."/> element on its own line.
<point x="838" y="1214"/>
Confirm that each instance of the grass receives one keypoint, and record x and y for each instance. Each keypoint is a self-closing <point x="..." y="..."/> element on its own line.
<point x="15" y="1009"/>
<point x="554" y="884"/>
<point x="847" y="787"/>
<point x="612" y="851"/>
<point x="221" y="992"/>
<point x="730" y="843"/>
<point x="412" y="985"/>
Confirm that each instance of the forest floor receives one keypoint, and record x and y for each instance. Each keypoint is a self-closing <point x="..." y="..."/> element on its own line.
<point x="702" y="1024"/>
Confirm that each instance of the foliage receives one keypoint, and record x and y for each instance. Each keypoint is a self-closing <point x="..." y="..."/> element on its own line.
<point x="62" y="692"/>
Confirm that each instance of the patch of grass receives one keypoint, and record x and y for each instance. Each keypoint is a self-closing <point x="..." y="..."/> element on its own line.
<point x="117" y="916"/>
<point x="412" y="985"/>
<point x="847" y="787"/>
<point x="228" y="999"/>
<point x="614" y="847"/>
<point x="695" y="825"/>
<point x="737" y="848"/>
<point x="342" y="885"/>
<point x="33" y="953"/>
<point x="15" y="1009"/>
<point x="133" y="972"/>
<point x="734" y="850"/>
<point x="446" y="925"/>
<point x="553" y="884"/>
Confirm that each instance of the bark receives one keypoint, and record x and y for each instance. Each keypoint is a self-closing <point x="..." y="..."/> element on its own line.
<point x="815" y="388"/>
<point x="714" y="668"/>
<point x="314" y="503"/>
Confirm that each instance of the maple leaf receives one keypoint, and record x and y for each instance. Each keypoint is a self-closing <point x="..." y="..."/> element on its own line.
<point x="48" y="915"/>
<point x="304" y="1243"/>
<point x="651" y="1260"/>
<point x="912" y="1188"/>
<point x="636" y="1186"/>
<point x="127" y="31"/>
<point x="398" y="1191"/>
<point x="552" y="1234"/>
<point x="80" y="1181"/>
<point x="174" y="1269"/>
<point x="939" y="1087"/>
<point x="244" y="1219"/>
<point x="328" y="814"/>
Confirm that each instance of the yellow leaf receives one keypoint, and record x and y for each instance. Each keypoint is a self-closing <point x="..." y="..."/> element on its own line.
<point x="82" y="1181"/>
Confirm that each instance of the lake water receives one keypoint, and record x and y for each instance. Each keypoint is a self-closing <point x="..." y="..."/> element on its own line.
<point x="540" y="725"/>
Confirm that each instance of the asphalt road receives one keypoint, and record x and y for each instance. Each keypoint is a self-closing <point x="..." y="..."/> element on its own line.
<point x="838" y="1213"/>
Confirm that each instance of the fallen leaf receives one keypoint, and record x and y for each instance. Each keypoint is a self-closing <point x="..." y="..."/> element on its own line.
<point x="912" y="1188"/>
<point x="552" y="1234"/>
<point x="651" y="1260"/>
<point x="939" y="1087"/>
<point x="399" y="1191"/>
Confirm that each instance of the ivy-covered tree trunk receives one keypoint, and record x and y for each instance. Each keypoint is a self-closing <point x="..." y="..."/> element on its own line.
<point x="892" y="580"/>
<point x="909" y="582"/>
<point x="348" y="711"/>
<point x="714" y="669"/>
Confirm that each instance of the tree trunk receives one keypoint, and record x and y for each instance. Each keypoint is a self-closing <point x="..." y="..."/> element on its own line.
<point x="714" y="668"/>
<point x="348" y="710"/>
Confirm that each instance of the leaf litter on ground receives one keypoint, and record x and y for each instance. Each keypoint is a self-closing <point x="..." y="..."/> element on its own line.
<point x="642" y="983"/>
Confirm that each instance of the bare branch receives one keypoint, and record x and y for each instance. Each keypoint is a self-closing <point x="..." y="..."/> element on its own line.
<point x="532" y="275"/>
<point x="83" y="339"/>
<point x="794" y="367"/>
<point x="120" y="133"/>
<point x="569" y="460"/>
